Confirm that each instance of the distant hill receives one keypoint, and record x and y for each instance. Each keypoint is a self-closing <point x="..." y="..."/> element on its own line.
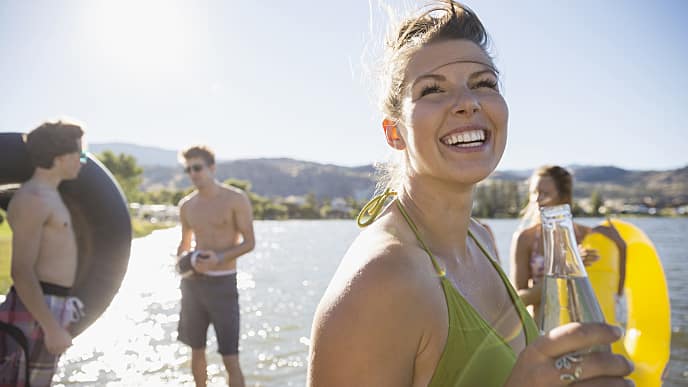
<point x="277" y="177"/>
<point x="145" y="155"/>
<point x="656" y="188"/>
<point x="284" y="177"/>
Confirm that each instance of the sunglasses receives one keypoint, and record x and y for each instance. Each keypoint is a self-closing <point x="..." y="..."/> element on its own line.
<point x="83" y="157"/>
<point x="194" y="167"/>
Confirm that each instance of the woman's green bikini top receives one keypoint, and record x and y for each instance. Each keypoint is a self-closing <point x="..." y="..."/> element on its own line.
<point x="474" y="354"/>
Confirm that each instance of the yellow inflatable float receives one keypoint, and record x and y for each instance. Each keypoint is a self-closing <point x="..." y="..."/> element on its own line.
<point x="648" y="325"/>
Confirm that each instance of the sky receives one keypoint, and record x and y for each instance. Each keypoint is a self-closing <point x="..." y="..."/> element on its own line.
<point x="587" y="82"/>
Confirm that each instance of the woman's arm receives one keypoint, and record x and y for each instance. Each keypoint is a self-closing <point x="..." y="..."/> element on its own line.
<point x="520" y="270"/>
<point x="612" y="233"/>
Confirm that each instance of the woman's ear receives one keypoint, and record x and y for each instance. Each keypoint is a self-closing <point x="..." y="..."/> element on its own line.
<point x="392" y="134"/>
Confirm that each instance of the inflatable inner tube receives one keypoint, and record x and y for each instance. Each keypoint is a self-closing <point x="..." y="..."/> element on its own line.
<point x="101" y="223"/>
<point x="648" y="316"/>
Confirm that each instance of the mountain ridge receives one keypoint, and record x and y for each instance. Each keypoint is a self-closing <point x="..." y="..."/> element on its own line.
<point x="284" y="176"/>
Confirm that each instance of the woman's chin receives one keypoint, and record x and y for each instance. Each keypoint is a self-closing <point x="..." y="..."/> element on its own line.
<point x="474" y="173"/>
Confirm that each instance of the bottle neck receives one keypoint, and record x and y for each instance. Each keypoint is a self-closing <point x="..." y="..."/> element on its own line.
<point x="562" y="258"/>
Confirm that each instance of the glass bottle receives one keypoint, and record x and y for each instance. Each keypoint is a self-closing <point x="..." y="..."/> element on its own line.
<point x="567" y="295"/>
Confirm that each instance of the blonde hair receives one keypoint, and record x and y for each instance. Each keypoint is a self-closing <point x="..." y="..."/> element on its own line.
<point x="436" y="22"/>
<point x="563" y="182"/>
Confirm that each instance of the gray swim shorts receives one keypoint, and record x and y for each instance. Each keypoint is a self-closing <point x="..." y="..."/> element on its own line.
<point x="206" y="300"/>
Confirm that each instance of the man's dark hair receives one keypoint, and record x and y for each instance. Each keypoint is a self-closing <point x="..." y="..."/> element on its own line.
<point x="200" y="151"/>
<point x="52" y="139"/>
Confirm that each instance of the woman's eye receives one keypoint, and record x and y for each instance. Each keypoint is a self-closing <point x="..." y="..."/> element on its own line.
<point x="489" y="83"/>
<point x="430" y="89"/>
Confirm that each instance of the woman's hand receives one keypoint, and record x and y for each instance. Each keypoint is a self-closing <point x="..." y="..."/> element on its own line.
<point x="554" y="359"/>
<point x="589" y="256"/>
<point x="536" y="292"/>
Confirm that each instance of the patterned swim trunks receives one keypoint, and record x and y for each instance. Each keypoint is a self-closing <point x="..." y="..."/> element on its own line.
<point x="16" y="322"/>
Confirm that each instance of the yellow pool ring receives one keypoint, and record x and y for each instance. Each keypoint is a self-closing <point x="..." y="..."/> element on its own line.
<point x="648" y="329"/>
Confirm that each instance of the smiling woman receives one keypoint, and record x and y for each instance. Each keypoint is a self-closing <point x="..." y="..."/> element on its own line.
<point x="419" y="295"/>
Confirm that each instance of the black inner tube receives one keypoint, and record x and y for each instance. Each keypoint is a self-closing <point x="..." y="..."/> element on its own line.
<point x="101" y="223"/>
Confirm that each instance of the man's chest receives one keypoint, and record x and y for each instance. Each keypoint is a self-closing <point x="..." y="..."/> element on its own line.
<point x="59" y="220"/>
<point x="210" y="215"/>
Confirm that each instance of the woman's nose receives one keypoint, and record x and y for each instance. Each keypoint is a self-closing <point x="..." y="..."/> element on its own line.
<point x="466" y="104"/>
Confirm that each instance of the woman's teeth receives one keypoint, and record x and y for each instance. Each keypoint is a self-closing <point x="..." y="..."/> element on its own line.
<point x="465" y="139"/>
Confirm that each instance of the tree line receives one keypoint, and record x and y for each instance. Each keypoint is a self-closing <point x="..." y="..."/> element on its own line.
<point x="129" y="175"/>
<point x="492" y="199"/>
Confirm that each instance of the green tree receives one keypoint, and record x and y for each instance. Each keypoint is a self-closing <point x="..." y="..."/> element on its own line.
<point x="356" y="206"/>
<point x="480" y="202"/>
<point x="325" y="211"/>
<point x="263" y="208"/>
<point x="275" y="211"/>
<point x="243" y="185"/>
<point x="596" y="202"/>
<point x="163" y="196"/>
<point x="310" y="209"/>
<point x="493" y="193"/>
<point x="496" y="199"/>
<point x="577" y="210"/>
<point x="513" y="199"/>
<point x="126" y="171"/>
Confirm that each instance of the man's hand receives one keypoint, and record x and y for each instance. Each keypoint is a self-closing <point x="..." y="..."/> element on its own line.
<point x="205" y="260"/>
<point x="57" y="340"/>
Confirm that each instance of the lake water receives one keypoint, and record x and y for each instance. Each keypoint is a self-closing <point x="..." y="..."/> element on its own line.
<point x="134" y="342"/>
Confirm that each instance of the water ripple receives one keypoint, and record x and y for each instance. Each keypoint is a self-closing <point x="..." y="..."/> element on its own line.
<point x="135" y="342"/>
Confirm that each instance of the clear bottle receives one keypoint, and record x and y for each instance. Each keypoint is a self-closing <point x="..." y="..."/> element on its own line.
<point x="567" y="295"/>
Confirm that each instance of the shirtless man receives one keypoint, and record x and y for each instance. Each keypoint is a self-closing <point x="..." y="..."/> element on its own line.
<point x="220" y="220"/>
<point x="44" y="257"/>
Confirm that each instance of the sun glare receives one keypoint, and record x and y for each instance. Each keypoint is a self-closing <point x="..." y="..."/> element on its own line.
<point x="140" y="37"/>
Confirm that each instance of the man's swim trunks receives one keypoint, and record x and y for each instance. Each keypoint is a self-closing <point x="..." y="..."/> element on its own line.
<point x="17" y="322"/>
<point x="210" y="299"/>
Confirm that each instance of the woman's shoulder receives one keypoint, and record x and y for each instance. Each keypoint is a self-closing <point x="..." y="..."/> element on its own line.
<point x="484" y="236"/>
<point x="384" y="255"/>
<point x="583" y="228"/>
<point x="480" y="229"/>
<point x="381" y="268"/>
<point x="384" y="290"/>
<point x="527" y="234"/>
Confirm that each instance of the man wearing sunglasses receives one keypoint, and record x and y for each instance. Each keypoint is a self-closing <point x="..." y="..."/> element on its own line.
<point x="44" y="258"/>
<point x="219" y="219"/>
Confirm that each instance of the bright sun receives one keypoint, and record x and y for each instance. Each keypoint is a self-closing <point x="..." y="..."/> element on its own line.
<point x="140" y="37"/>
